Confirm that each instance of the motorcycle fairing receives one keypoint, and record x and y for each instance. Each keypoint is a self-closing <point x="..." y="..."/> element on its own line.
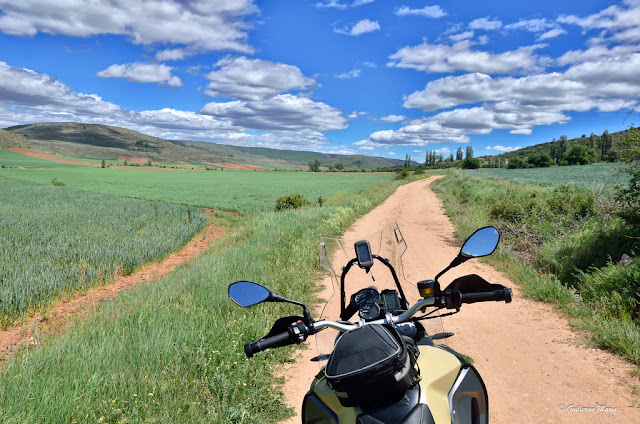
<point x="439" y="370"/>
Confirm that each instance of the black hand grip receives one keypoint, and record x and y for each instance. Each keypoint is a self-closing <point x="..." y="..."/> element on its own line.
<point x="251" y="349"/>
<point x="496" y="295"/>
<point x="351" y="309"/>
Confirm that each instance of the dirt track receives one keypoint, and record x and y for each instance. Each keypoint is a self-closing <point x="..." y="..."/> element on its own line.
<point x="531" y="363"/>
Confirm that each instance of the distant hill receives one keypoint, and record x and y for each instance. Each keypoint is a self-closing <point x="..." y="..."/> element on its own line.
<point x="296" y="156"/>
<point x="93" y="141"/>
<point x="9" y="140"/>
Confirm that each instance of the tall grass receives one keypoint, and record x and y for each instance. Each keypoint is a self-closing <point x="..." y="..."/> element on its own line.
<point x="562" y="245"/>
<point x="57" y="240"/>
<point x="171" y="351"/>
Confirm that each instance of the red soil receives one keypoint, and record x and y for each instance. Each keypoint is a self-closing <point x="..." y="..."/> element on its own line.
<point x="236" y="166"/>
<point x="33" y="154"/>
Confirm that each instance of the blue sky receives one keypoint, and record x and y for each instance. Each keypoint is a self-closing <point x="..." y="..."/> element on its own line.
<point x="374" y="77"/>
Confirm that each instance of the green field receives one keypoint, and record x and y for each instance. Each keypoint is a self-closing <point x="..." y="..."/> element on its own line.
<point x="10" y="159"/>
<point x="57" y="240"/>
<point x="171" y="351"/>
<point x="599" y="176"/>
<point x="240" y="191"/>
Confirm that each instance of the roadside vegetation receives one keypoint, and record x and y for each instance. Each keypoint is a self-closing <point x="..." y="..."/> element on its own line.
<point x="55" y="241"/>
<point x="566" y="244"/>
<point x="171" y="351"/>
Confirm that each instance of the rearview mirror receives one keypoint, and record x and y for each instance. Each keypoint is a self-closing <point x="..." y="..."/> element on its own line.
<point x="481" y="243"/>
<point x="246" y="293"/>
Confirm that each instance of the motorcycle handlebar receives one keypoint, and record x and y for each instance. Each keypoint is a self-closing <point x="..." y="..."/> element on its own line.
<point x="496" y="295"/>
<point x="251" y="349"/>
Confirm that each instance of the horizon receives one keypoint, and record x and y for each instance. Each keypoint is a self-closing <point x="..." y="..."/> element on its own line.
<point x="334" y="77"/>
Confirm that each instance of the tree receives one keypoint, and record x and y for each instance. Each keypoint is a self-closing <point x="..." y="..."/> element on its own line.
<point x="469" y="152"/>
<point x="459" y="154"/>
<point x="579" y="154"/>
<point x="104" y="164"/>
<point x="471" y="163"/>
<point x="592" y="141"/>
<point x="629" y="196"/>
<point x="314" y="165"/>
<point x="540" y="160"/>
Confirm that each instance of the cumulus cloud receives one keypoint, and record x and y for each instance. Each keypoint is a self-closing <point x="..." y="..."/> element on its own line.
<point x="361" y="27"/>
<point x="27" y="96"/>
<point x="284" y="112"/>
<point x="620" y="23"/>
<point x="486" y="24"/>
<point x="336" y="4"/>
<point x="254" y="79"/>
<point x="597" y="52"/>
<point x="462" y="36"/>
<point x="544" y="28"/>
<point x="499" y="148"/>
<point x="200" y="25"/>
<point x="354" y="73"/>
<point x="428" y="11"/>
<point x="433" y="58"/>
<point x="142" y="72"/>
<point x="393" y="118"/>
<point x="515" y="104"/>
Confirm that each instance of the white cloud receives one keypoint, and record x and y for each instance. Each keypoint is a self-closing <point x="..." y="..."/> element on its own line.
<point x="393" y="118"/>
<point x="298" y="123"/>
<point x="499" y="148"/>
<point x="361" y="27"/>
<point x="281" y="113"/>
<point x="200" y="25"/>
<point x="462" y="36"/>
<point x="336" y="4"/>
<point x="522" y="131"/>
<point x="433" y="58"/>
<point x="428" y="11"/>
<point x="552" y="33"/>
<point x="142" y="72"/>
<point x="486" y="24"/>
<point x="354" y="73"/>
<point x="254" y="79"/>
<point x="597" y="52"/>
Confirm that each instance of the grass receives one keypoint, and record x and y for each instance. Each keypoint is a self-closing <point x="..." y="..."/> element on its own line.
<point x="10" y="159"/>
<point x="558" y="255"/>
<point x="171" y="351"/>
<point x="598" y="176"/>
<point x="240" y="191"/>
<point x="58" y="240"/>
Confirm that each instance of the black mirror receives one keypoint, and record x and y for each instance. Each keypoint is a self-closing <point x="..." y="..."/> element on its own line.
<point x="246" y="293"/>
<point x="481" y="243"/>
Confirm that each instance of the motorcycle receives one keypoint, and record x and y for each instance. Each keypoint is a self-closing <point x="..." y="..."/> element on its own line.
<point x="386" y="368"/>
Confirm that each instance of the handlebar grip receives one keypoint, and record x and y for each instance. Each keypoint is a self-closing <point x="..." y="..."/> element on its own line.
<point x="496" y="295"/>
<point x="251" y="349"/>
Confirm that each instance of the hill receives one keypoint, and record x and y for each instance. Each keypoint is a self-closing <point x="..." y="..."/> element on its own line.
<point x="296" y="156"/>
<point x="94" y="141"/>
<point x="605" y="150"/>
<point x="9" y="140"/>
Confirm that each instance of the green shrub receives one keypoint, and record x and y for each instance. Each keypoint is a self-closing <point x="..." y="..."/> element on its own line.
<point x="571" y="201"/>
<point x="291" y="201"/>
<point x="402" y="175"/>
<point x="57" y="183"/>
<point x="418" y="171"/>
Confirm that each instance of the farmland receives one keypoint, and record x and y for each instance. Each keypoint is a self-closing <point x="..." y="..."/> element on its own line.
<point x="239" y="191"/>
<point x="599" y="176"/>
<point x="57" y="240"/>
<point x="171" y="351"/>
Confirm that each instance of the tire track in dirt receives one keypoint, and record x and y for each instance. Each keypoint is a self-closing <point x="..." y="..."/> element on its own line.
<point x="531" y="361"/>
<point x="56" y="318"/>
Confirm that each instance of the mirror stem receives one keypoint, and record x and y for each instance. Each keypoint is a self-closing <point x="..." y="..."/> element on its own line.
<point x="305" y="312"/>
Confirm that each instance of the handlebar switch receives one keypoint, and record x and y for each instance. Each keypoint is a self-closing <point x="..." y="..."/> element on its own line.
<point x="452" y="299"/>
<point x="298" y="332"/>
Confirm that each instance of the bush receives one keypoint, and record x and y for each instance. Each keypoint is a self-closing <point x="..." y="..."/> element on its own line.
<point x="580" y="155"/>
<point x="418" y="171"/>
<point x="569" y="200"/>
<point x="291" y="201"/>
<point x="57" y="183"/>
<point x="402" y="175"/>
<point x="471" y="163"/>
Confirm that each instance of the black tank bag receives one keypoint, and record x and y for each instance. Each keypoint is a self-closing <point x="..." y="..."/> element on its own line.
<point x="371" y="364"/>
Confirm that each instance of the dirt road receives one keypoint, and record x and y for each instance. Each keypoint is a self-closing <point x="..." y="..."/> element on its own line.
<point x="534" y="370"/>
